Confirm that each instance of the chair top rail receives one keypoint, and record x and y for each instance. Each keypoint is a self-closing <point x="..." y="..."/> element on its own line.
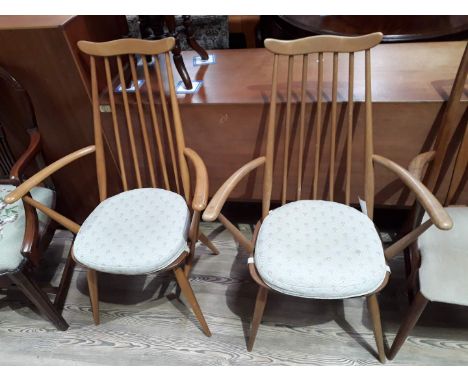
<point x="126" y="46"/>
<point x="326" y="44"/>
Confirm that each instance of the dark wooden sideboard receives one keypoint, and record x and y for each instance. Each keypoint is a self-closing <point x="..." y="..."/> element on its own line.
<point x="395" y="28"/>
<point x="41" y="52"/>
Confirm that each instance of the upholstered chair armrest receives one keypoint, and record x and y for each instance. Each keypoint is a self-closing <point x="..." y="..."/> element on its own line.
<point x="418" y="164"/>
<point x="200" y="196"/>
<point x="39" y="177"/>
<point x="9" y="180"/>
<point x="217" y="202"/>
<point x="28" y="155"/>
<point x="428" y="201"/>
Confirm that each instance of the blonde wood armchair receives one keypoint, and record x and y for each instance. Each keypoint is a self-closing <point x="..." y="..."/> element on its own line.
<point x="438" y="260"/>
<point x="299" y="236"/>
<point x="153" y="225"/>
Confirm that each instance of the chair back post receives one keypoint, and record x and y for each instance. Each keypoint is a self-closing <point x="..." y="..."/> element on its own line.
<point x="369" y="143"/>
<point x="139" y="138"/>
<point x="448" y="128"/>
<point x="268" y="175"/>
<point x="100" y="158"/>
<point x="180" y="141"/>
<point x="304" y="47"/>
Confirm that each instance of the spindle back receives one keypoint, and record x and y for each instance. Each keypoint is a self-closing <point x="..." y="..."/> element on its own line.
<point x="17" y="117"/>
<point x="304" y="48"/>
<point x="147" y="139"/>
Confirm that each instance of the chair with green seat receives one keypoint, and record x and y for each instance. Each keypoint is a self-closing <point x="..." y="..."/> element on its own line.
<point x="24" y="232"/>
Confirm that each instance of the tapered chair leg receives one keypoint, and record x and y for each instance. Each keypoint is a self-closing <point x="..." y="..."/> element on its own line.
<point x="187" y="290"/>
<point x="415" y="311"/>
<point x="260" y="304"/>
<point x="39" y="298"/>
<point x="65" y="281"/>
<point x="373" y="305"/>
<point x="93" y="293"/>
<point x="208" y="243"/>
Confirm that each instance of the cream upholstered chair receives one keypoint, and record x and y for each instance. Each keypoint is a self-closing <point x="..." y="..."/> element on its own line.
<point x="439" y="259"/>
<point x="24" y="232"/>
<point x="151" y="226"/>
<point x="315" y="248"/>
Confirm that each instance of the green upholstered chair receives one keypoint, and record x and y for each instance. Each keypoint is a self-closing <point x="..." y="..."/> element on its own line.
<point x="24" y="233"/>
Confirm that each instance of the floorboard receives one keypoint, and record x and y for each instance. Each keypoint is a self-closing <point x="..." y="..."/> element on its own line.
<point x="144" y="322"/>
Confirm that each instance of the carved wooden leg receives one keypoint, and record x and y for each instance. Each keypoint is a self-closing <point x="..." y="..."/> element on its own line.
<point x="39" y="298"/>
<point x="187" y="290"/>
<point x="208" y="243"/>
<point x="65" y="281"/>
<point x="373" y="305"/>
<point x="258" y="314"/>
<point x="93" y="293"/>
<point x="176" y="52"/>
<point x="187" y="21"/>
<point x="415" y="311"/>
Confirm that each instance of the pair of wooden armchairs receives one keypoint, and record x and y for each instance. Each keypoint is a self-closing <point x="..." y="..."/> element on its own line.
<point x="307" y="248"/>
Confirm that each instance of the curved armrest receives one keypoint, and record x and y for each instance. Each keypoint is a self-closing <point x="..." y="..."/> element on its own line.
<point x="419" y="163"/>
<point x="214" y="207"/>
<point x="30" y="153"/>
<point x="26" y="186"/>
<point x="429" y="202"/>
<point x="200" y="196"/>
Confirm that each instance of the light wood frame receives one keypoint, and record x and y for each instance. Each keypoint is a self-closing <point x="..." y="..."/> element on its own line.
<point x="427" y="166"/>
<point x="320" y="45"/>
<point x="123" y="53"/>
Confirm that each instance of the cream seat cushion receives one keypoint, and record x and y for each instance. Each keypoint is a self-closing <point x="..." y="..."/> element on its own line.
<point x="135" y="232"/>
<point x="319" y="249"/>
<point x="443" y="274"/>
<point x="12" y="224"/>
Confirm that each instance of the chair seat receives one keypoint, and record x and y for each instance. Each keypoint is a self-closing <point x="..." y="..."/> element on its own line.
<point x="444" y="260"/>
<point x="12" y="224"/>
<point x="319" y="249"/>
<point x="135" y="232"/>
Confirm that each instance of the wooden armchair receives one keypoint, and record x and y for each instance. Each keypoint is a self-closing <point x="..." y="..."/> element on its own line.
<point x="24" y="233"/>
<point x="315" y="248"/>
<point x="439" y="260"/>
<point x="152" y="226"/>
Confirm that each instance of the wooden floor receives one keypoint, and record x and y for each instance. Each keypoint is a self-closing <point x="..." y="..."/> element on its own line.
<point x="144" y="323"/>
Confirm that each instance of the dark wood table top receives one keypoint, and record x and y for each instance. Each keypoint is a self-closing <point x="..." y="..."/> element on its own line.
<point x="396" y="28"/>
<point x="410" y="72"/>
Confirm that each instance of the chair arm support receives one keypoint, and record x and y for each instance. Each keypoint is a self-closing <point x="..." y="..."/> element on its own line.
<point x="54" y="215"/>
<point x="418" y="164"/>
<point x="28" y="155"/>
<point x="429" y="202"/>
<point x="200" y="196"/>
<point x="27" y="185"/>
<point x="217" y="202"/>
<point x="31" y="229"/>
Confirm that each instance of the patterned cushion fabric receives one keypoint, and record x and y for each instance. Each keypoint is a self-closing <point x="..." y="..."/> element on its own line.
<point x="444" y="260"/>
<point x="319" y="249"/>
<point x="12" y="224"/>
<point x="135" y="232"/>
